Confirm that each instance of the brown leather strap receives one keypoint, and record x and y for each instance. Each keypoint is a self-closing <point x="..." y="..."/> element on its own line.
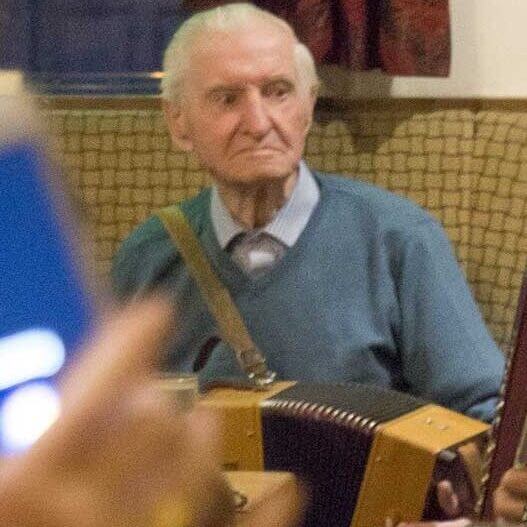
<point x="218" y="299"/>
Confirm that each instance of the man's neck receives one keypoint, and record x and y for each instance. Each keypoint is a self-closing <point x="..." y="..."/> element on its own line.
<point x="255" y="206"/>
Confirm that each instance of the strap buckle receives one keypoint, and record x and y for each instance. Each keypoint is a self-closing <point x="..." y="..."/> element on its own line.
<point x="254" y="365"/>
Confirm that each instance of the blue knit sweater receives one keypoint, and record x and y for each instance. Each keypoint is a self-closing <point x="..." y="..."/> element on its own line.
<point x="371" y="292"/>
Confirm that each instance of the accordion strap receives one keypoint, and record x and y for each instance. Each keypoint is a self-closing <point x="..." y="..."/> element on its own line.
<point x="217" y="297"/>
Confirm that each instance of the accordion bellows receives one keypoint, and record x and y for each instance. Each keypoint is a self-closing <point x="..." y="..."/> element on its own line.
<point x="366" y="453"/>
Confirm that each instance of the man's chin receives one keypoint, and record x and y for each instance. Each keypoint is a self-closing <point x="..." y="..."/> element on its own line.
<point x="260" y="173"/>
<point x="263" y="176"/>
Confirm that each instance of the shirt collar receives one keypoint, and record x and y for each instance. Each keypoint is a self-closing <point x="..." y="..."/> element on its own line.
<point x="289" y="221"/>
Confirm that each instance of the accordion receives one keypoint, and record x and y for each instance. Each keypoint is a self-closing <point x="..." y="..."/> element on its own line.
<point x="365" y="453"/>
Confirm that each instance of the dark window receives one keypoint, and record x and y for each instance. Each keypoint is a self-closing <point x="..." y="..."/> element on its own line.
<point x="67" y="44"/>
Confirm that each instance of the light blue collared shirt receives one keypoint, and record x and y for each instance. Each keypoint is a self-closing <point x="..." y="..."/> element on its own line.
<point x="289" y="221"/>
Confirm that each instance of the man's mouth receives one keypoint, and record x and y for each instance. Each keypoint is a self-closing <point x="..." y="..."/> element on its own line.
<point x="260" y="150"/>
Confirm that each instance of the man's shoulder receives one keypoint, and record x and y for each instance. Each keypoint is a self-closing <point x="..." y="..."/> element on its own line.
<point x="143" y="258"/>
<point x="151" y="231"/>
<point x="196" y="209"/>
<point x="374" y="202"/>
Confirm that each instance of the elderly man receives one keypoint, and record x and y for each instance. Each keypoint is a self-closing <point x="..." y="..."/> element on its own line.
<point x="336" y="280"/>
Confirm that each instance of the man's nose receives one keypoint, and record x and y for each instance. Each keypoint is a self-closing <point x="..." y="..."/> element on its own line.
<point x="256" y="117"/>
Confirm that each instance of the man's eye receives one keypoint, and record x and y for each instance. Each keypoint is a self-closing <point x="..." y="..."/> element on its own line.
<point x="227" y="99"/>
<point x="278" y="91"/>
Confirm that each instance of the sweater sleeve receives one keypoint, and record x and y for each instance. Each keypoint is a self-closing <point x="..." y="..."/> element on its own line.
<point x="447" y="352"/>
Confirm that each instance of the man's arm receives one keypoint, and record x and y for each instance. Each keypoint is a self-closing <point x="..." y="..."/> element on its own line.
<point x="447" y="352"/>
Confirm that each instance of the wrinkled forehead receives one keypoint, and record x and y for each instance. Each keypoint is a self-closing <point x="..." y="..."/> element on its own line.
<point x="256" y="49"/>
<point x="254" y="30"/>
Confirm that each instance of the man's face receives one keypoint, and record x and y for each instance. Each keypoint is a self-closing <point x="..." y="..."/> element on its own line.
<point x="244" y="111"/>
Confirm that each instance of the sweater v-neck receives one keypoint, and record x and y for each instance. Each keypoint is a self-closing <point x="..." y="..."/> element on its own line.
<point x="231" y="275"/>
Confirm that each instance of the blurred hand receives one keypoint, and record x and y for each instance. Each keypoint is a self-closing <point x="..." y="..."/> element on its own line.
<point x="449" y="503"/>
<point x="460" y="522"/>
<point x="510" y="498"/>
<point x="283" y="511"/>
<point x="448" y="499"/>
<point x="453" y="505"/>
<point x="120" y="454"/>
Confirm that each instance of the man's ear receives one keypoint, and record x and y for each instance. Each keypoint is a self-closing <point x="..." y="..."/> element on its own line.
<point x="177" y="126"/>
<point x="311" y="101"/>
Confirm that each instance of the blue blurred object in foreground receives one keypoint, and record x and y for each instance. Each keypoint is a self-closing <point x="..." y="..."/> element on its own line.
<point x="44" y="311"/>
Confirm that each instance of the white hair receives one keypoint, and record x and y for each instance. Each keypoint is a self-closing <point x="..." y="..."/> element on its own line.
<point x="226" y="18"/>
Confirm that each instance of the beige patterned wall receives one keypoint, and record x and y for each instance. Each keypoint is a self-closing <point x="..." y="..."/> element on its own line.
<point x="498" y="234"/>
<point x="465" y="163"/>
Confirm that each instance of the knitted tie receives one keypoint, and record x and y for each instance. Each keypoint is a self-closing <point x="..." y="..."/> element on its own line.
<point x="257" y="253"/>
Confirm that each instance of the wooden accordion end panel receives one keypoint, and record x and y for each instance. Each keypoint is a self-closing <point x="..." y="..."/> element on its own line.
<point x="366" y="453"/>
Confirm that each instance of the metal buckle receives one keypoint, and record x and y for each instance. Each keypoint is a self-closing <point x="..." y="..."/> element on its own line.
<point x="256" y="369"/>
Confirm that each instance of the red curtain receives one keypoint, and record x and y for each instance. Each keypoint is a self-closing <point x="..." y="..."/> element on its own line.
<point x="401" y="37"/>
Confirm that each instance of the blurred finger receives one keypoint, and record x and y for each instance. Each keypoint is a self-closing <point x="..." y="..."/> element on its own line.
<point x="202" y="449"/>
<point x="460" y="522"/>
<point x="124" y="352"/>
<point x="507" y="506"/>
<point x="198" y="480"/>
<point x="125" y="346"/>
<point x="145" y="435"/>
<point x="118" y="360"/>
<point x="448" y="499"/>
<point x="284" y="510"/>
<point x="515" y="482"/>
